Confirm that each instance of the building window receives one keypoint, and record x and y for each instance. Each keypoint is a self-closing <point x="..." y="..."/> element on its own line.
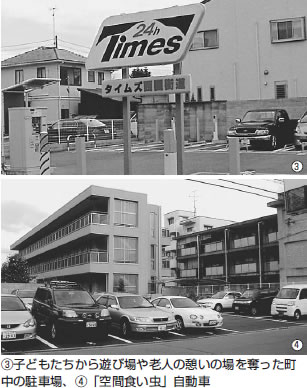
<point x="64" y="113"/>
<point x="100" y="77"/>
<point x="244" y="242"/>
<point x="272" y="237"/>
<point x="296" y="199"/>
<point x="212" y="93"/>
<point x="152" y="225"/>
<point x="171" y="221"/>
<point x="189" y="230"/>
<point x="18" y="76"/>
<point x="41" y="72"/>
<point x="91" y="76"/>
<point x="288" y="30"/>
<point x="165" y="264"/>
<point x="153" y="256"/>
<point x="281" y="89"/>
<point x="127" y="281"/>
<point x="187" y="97"/>
<point x="205" y="40"/>
<point x="125" y="249"/>
<point x="70" y="76"/>
<point x="199" y="94"/>
<point x="126" y="212"/>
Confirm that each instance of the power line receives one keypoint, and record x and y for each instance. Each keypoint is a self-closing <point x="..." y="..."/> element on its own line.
<point x="74" y="44"/>
<point x="231" y="188"/>
<point x="251" y="187"/>
<point x="26" y="44"/>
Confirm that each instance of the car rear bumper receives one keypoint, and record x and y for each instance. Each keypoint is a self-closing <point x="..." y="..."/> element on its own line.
<point x="251" y="137"/>
<point x="18" y="335"/>
<point x="245" y="308"/>
<point x="282" y="310"/>
<point x="82" y="326"/>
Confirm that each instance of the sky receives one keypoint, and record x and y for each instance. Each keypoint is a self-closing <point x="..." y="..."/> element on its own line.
<point x="76" y="22"/>
<point x="25" y="201"/>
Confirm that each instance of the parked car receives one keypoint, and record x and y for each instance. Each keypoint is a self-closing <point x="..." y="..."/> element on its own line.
<point x="221" y="300"/>
<point x="291" y="301"/>
<point x="66" y="308"/>
<point x="188" y="313"/>
<point x="17" y="323"/>
<point x="300" y="134"/>
<point x="26" y="296"/>
<point x="69" y="129"/>
<point x="256" y="301"/>
<point x="264" y="128"/>
<point x="134" y="313"/>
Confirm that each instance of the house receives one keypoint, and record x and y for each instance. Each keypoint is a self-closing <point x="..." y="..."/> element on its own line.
<point x="101" y="238"/>
<point x="61" y="99"/>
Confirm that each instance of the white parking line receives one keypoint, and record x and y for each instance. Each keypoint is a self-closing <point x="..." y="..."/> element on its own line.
<point x="121" y="339"/>
<point x="46" y="342"/>
<point x="173" y="332"/>
<point x="232" y="331"/>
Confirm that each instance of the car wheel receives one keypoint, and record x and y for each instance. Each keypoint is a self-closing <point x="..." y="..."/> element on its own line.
<point x="218" y="308"/>
<point x="297" y="315"/>
<point x="273" y="143"/>
<point x="125" y="328"/>
<point x="180" y="324"/>
<point x="54" y="334"/>
<point x="254" y="310"/>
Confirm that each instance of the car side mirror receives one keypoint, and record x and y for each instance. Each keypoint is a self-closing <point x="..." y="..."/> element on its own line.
<point x="238" y="120"/>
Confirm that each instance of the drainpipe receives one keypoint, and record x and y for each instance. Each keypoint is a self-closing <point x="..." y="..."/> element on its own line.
<point x="258" y="60"/>
<point x="198" y="264"/>
<point x="226" y="254"/>
<point x="259" y="253"/>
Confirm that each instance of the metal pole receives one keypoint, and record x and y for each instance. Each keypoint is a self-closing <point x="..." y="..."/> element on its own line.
<point x="260" y="256"/>
<point x="127" y="128"/>
<point x="80" y="156"/>
<point x="198" y="259"/>
<point x="179" y="124"/>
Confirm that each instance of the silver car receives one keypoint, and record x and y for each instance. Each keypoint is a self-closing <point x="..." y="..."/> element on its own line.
<point x="17" y="323"/>
<point x="133" y="313"/>
<point x="300" y="134"/>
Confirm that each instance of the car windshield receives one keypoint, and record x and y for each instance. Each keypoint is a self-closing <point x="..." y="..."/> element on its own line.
<point x="288" y="293"/>
<point x="218" y="295"/>
<point x="11" y="303"/>
<point x="26" y="293"/>
<point x="250" y="294"/>
<point x="70" y="297"/>
<point x="183" y="303"/>
<point x="133" y="301"/>
<point x="304" y="118"/>
<point x="256" y="116"/>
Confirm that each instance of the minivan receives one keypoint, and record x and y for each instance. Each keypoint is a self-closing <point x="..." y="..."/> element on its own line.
<point x="291" y="301"/>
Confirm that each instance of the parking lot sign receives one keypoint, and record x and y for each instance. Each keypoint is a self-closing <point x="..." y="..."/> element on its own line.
<point x="145" y="38"/>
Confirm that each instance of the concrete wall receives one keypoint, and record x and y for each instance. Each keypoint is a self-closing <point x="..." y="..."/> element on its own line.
<point x="200" y="114"/>
<point x="7" y="288"/>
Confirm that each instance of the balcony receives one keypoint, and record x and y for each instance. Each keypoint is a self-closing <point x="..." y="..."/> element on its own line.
<point x="187" y="251"/>
<point x="188" y="273"/>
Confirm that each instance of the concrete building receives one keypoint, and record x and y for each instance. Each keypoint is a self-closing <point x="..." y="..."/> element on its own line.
<point x="178" y="223"/>
<point x="249" y="50"/>
<point x="292" y="232"/>
<point x="102" y="238"/>
<point x="61" y="99"/>
<point x="237" y="254"/>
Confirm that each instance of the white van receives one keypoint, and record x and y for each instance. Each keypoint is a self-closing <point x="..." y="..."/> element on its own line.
<point x="291" y="301"/>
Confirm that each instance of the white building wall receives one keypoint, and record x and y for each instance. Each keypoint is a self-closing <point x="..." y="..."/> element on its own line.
<point x="236" y="68"/>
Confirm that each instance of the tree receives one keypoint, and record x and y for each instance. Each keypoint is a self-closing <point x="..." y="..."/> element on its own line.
<point x="15" y="270"/>
<point x="139" y="72"/>
<point x="121" y="285"/>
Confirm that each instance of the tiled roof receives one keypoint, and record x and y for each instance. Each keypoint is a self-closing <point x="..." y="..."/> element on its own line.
<point x="43" y="54"/>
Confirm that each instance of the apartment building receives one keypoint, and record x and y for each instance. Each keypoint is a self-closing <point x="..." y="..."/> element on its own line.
<point x="238" y="253"/>
<point x="249" y="50"/>
<point x="102" y="238"/>
<point x="292" y="226"/>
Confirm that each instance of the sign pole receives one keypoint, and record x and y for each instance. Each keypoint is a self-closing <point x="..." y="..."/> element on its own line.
<point x="179" y="124"/>
<point x="127" y="128"/>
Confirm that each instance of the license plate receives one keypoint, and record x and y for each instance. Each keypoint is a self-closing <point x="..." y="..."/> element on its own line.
<point x="212" y="323"/>
<point x="162" y="327"/>
<point x="9" y="335"/>
<point x="91" y="324"/>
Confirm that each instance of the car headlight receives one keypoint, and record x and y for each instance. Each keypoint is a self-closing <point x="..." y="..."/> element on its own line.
<point x="193" y="316"/>
<point x="69" y="314"/>
<point x="30" y="323"/>
<point x="262" y="132"/>
<point x="104" y="313"/>
<point x="219" y="316"/>
<point x="140" y="319"/>
<point x="291" y="303"/>
<point x="274" y="301"/>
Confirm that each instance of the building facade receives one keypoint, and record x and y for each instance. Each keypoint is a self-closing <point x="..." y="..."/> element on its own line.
<point x="249" y="50"/>
<point x="62" y="99"/>
<point x="292" y="226"/>
<point x="104" y="239"/>
<point x="236" y="254"/>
